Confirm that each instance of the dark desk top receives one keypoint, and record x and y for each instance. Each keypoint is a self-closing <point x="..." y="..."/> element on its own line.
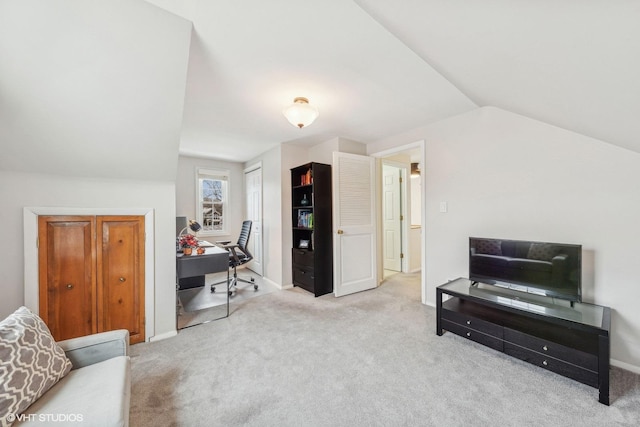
<point x="213" y="250"/>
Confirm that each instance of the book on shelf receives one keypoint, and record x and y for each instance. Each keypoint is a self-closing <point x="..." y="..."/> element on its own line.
<point x="307" y="178"/>
<point x="305" y="218"/>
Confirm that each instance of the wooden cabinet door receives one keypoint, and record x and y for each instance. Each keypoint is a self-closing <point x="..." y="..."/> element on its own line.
<point x="91" y="275"/>
<point x="120" y="256"/>
<point x="67" y="275"/>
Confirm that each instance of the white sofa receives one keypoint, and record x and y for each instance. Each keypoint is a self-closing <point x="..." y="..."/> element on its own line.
<point x="95" y="393"/>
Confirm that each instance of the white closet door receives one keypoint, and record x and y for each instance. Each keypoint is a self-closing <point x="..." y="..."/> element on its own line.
<point x="354" y="223"/>
<point x="253" y="189"/>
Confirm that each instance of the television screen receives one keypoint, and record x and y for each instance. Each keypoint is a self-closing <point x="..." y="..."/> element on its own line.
<point x="541" y="268"/>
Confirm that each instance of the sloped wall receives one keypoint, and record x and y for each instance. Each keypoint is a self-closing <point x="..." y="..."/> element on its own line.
<point x="90" y="117"/>
<point x="507" y="176"/>
<point x="92" y="88"/>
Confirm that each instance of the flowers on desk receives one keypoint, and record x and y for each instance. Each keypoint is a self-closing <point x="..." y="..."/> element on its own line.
<point x="188" y="241"/>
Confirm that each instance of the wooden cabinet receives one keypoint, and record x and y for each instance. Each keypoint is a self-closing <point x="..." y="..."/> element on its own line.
<point x="312" y="252"/>
<point x="91" y="274"/>
<point x="572" y="341"/>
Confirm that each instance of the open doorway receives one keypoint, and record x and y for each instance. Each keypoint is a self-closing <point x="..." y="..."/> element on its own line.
<point x="403" y="212"/>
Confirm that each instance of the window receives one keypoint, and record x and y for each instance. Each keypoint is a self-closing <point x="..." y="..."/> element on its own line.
<point x="212" y="201"/>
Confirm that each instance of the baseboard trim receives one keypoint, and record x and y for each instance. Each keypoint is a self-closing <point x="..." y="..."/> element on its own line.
<point x="164" y="336"/>
<point x="626" y="366"/>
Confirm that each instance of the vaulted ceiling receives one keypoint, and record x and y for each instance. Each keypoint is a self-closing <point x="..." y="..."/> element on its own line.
<point x="375" y="68"/>
<point x="114" y="88"/>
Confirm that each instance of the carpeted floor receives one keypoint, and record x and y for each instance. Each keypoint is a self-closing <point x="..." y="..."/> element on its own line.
<point x="369" y="359"/>
<point x="200" y="305"/>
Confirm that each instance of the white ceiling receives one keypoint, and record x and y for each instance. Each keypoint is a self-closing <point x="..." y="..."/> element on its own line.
<point x="101" y="88"/>
<point x="249" y="59"/>
<point x="573" y="64"/>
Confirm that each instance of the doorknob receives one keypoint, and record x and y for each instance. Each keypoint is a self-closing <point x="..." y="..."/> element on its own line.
<point x="340" y="232"/>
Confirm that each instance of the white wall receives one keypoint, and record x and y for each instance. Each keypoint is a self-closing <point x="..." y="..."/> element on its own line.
<point x="92" y="88"/>
<point x="186" y="192"/>
<point x="276" y="208"/>
<point x="19" y="190"/>
<point x="323" y="152"/>
<point x="508" y="176"/>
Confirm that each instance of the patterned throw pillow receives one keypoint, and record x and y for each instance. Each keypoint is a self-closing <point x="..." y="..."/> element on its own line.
<point x="30" y="363"/>
<point x="542" y="251"/>
<point x="489" y="247"/>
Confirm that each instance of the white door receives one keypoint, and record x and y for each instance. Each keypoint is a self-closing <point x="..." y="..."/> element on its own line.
<point x="253" y="191"/>
<point x="391" y="217"/>
<point x="354" y="220"/>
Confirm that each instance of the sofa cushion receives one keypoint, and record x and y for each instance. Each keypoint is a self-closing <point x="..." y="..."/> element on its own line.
<point x="542" y="251"/>
<point x="488" y="247"/>
<point x="30" y="362"/>
<point x="96" y="395"/>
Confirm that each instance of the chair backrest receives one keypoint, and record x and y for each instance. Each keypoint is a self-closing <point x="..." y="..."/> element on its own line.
<point x="243" y="238"/>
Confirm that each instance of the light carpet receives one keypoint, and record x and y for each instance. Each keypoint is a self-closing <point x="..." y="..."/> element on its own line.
<point x="200" y="305"/>
<point x="369" y="359"/>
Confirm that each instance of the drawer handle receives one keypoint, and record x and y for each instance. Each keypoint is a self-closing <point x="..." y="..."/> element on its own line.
<point x="468" y="322"/>
<point x="545" y="363"/>
<point x="468" y="334"/>
<point x="545" y="348"/>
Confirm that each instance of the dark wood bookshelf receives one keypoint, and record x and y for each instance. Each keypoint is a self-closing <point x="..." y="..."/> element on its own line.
<point x="312" y="266"/>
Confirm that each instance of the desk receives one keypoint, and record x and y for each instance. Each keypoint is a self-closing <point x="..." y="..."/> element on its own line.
<point x="190" y="269"/>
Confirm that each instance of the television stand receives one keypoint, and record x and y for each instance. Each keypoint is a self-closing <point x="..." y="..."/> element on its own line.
<point x="569" y="339"/>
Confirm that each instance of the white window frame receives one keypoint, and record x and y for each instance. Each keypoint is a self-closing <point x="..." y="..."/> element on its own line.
<point x="223" y="175"/>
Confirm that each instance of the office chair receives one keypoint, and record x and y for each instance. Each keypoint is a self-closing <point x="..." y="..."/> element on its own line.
<point x="238" y="255"/>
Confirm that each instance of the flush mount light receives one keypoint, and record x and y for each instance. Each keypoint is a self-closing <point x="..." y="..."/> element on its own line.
<point x="300" y="113"/>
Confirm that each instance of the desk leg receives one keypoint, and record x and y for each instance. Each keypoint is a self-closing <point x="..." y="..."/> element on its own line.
<point x="439" y="312"/>
<point x="227" y="292"/>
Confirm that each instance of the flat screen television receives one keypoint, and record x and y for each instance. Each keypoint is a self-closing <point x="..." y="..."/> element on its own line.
<point x="541" y="268"/>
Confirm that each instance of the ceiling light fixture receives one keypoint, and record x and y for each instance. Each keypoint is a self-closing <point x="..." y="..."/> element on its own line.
<point x="301" y="113"/>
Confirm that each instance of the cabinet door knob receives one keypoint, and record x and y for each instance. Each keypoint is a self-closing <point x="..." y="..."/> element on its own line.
<point x="545" y="363"/>
<point x="545" y="348"/>
<point x="468" y="322"/>
<point x="122" y="279"/>
<point x="340" y="232"/>
<point x="468" y="334"/>
<point x="69" y="286"/>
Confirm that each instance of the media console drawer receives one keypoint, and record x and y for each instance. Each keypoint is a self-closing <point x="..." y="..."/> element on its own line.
<point x="552" y="364"/>
<point x="552" y="349"/>
<point x="473" y="323"/>
<point x="473" y="335"/>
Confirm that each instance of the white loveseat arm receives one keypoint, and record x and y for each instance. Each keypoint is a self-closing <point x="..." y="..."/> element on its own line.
<point x="90" y="349"/>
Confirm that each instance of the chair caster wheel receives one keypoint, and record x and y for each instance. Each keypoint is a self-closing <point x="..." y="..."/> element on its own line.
<point x="230" y="293"/>
<point x="213" y="289"/>
<point x="255" y="287"/>
<point x="253" y="280"/>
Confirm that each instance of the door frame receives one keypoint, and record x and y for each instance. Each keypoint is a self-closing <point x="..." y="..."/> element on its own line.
<point x="421" y="145"/>
<point x="31" y="284"/>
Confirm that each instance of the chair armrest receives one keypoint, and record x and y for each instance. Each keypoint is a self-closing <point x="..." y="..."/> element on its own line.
<point x="90" y="349"/>
<point x="222" y="242"/>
